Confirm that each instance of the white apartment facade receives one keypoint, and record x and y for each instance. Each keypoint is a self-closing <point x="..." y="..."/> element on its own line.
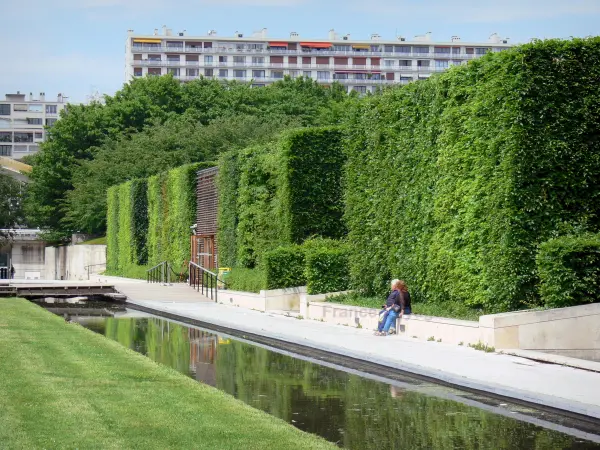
<point x="361" y="65"/>
<point x="23" y="122"/>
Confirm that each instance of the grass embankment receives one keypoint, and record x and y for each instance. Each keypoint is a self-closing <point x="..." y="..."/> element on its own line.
<point x="63" y="386"/>
<point x="452" y="310"/>
<point x="96" y="241"/>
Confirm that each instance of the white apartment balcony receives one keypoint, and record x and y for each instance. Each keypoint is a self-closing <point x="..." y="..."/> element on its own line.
<point x="304" y="52"/>
<point x="330" y="67"/>
<point x="259" y="80"/>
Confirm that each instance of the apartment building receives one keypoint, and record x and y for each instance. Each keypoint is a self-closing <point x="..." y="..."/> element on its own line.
<point x="24" y="121"/>
<point x="360" y="65"/>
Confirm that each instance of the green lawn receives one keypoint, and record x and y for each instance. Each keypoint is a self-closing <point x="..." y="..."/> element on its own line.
<point x="62" y="386"/>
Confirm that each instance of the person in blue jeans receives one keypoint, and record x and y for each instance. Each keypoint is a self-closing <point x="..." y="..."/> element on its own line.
<point x="397" y="305"/>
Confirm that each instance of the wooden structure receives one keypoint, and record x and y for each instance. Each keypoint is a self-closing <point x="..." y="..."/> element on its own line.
<point x="203" y="247"/>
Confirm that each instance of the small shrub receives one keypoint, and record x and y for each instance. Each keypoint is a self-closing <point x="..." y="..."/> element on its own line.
<point x="246" y="280"/>
<point x="569" y="270"/>
<point x="284" y="267"/>
<point x="431" y="339"/>
<point x="482" y="347"/>
<point x="326" y="267"/>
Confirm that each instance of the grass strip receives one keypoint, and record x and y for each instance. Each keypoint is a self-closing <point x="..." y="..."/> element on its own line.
<point x="63" y="386"/>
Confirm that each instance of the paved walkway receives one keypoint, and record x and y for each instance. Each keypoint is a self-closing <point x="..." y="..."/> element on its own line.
<point x="551" y="385"/>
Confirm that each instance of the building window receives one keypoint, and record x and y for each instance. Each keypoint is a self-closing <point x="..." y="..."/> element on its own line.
<point x="208" y="72"/>
<point x="340" y="76"/>
<point x="154" y="58"/>
<point x="23" y="137"/>
<point x="294" y="73"/>
<point x="360" y="76"/>
<point x="360" y="89"/>
<point x="191" y="72"/>
<point x="223" y="73"/>
<point x="258" y="60"/>
<point x="482" y="50"/>
<point x="173" y="58"/>
<point x="256" y="46"/>
<point x="4" y="109"/>
<point x="405" y="80"/>
<point x="456" y="50"/>
<point x="34" y="121"/>
<point x="50" y="122"/>
<point x="239" y="74"/>
<point x="422" y="63"/>
<point x="208" y="59"/>
<point x="20" y="107"/>
<point x="36" y="108"/>
<point x="5" y="123"/>
<point x="441" y="64"/>
<point x="39" y="135"/>
<point x="258" y="74"/>
<point x="239" y="60"/>
<point x="307" y="74"/>
<point x="173" y="71"/>
<point x="5" y="136"/>
<point x="441" y="50"/>
<point x="5" y="150"/>
<point x="137" y="71"/>
<point x="456" y="63"/>
<point x="222" y="59"/>
<point x="322" y="75"/>
<point x="277" y="74"/>
<point x="405" y="63"/>
<point x="402" y="49"/>
<point x="155" y="71"/>
<point x="376" y="76"/>
<point x="342" y="48"/>
<point x="33" y="148"/>
<point x="389" y="62"/>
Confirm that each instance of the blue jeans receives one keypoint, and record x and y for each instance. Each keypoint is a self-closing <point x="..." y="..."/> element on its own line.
<point x="382" y="323"/>
<point x="391" y="318"/>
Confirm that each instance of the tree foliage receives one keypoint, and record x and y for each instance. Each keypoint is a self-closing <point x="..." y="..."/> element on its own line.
<point x="154" y="124"/>
<point x="11" y="199"/>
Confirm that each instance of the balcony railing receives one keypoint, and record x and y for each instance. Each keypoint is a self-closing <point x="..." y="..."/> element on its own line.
<point x="305" y="52"/>
<point x="334" y="67"/>
<point x="260" y="80"/>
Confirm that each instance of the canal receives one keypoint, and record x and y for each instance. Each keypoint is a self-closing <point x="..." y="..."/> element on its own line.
<point x="355" y="410"/>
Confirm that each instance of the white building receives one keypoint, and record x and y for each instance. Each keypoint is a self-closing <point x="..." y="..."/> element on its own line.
<point x="24" y="252"/>
<point x="23" y="122"/>
<point x="361" y="65"/>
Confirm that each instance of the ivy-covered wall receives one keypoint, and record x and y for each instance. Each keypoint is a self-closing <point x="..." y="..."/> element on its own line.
<point x="112" y="229"/>
<point x="150" y="220"/>
<point x="279" y="194"/>
<point x="452" y="183"/>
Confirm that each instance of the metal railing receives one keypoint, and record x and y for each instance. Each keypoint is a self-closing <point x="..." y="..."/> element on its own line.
<point x="92" y="265"/>
<point x="204" y="281"/>
<point x="160" y="273"/>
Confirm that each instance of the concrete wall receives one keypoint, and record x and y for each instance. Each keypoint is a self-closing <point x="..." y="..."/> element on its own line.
<point x="69" y="262"/>
<point x="573" y="331"/>
<point x="28" y="259"/>
<point x="271" y="300"/>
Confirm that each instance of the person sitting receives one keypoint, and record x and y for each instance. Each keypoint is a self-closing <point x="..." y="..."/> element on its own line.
<point x="399" y="308"/>
<point x="392" y="299"/>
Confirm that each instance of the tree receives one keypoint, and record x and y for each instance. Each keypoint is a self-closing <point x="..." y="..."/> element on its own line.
<point x="11" y="214"/>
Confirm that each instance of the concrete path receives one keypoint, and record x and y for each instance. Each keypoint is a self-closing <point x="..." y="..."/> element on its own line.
<point x="551" y="385"/>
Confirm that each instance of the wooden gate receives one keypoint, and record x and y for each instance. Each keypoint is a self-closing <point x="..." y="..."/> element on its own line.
<point x="203" y="251"/>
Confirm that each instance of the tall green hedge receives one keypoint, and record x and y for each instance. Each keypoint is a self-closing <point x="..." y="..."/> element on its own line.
<point x="112" y="227"/>
<point x="569" y="269"/>
<point x="280" y="193"/>
<point x="150" y="219"/>
<point x="227" y="181"/>
<point x="453" y="182"/>
<point x="326" y="266"/>
<point x="125" y="232"/>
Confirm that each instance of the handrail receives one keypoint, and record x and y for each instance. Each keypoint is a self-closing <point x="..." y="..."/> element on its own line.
<point x="204" y="280"/>
<point x="159" y="273"/>
<point x="92" y="265"/>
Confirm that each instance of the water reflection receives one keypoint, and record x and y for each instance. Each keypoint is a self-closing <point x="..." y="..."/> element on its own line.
<point x="352" y="411"/>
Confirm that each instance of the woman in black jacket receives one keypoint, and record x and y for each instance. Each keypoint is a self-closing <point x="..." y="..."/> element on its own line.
<point x="397" y="305"/>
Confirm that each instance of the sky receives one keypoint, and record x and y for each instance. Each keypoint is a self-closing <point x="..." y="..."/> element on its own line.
<point x="77" y="47"/>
